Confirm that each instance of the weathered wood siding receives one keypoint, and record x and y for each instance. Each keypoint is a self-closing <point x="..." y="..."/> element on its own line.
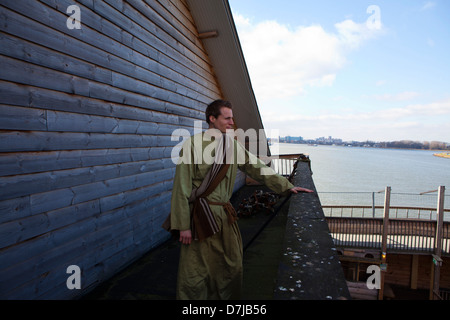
<point x="86" y="117"/>
<point x="400" y="267"/>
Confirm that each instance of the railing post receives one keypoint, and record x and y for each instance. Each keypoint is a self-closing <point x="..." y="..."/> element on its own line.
<point x="387" y="203"/>
<point x="373" y="204"/>
<point x="437" y="261"/>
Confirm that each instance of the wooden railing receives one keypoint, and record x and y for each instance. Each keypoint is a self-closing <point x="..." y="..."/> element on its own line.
<point x="402" y="234"/>
<point x="400" y="212"/>
<point x="284" y="164"/>
<point x="391" y="232"/>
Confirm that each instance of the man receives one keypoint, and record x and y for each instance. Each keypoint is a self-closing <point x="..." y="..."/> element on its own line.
<point x="210" y="264"/>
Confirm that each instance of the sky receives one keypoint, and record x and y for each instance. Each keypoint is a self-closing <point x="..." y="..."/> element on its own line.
<point x="351" y="69"/>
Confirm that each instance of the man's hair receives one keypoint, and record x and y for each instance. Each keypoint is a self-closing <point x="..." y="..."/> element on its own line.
<point x="214" y="107"/>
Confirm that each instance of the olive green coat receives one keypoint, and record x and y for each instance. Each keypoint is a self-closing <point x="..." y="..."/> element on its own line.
<point x="212" y="268"/>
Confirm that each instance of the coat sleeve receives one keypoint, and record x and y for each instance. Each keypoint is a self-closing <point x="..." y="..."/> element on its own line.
<point x="182" y="187"/>
<point x="257" y="170"/>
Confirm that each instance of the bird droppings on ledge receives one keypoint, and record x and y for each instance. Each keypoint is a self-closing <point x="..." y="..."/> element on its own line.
<point x="309" y="268"/>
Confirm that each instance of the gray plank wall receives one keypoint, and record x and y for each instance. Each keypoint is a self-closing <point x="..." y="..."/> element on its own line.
<point x="86" y="117"/>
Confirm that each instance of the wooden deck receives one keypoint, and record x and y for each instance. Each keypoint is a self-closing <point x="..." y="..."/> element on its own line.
<point x="412" y="235"/>
<point x="428" y="238"/>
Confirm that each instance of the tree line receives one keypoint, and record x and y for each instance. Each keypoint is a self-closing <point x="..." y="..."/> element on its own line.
<point x="409" y="144"/>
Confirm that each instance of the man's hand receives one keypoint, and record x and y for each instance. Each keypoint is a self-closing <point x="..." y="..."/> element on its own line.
<point x="185" y="237"/>
<point x="300" y="189"/>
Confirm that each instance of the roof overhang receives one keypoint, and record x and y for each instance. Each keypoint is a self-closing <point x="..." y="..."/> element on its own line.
<point x="214" y="20"/>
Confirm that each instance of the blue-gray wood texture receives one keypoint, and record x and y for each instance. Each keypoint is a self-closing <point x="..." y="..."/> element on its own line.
<point x="86" y="117"/>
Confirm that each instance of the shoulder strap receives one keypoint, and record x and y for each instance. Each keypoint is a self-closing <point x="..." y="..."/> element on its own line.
<point x="216" y="173"/>
<point x="203" y="221"/>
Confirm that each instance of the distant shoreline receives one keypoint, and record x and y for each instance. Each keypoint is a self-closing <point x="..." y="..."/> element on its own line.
<point x="442" y="155"/>
<point x="402" y="144"/>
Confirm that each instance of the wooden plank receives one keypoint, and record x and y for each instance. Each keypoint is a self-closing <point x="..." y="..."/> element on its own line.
<point x="130" y="196"/>
<point x="17" y="141"/>
<point x="184" y="2"/>
<point x="64" y="243"/>
<point x="438" y="242"/>
<point x="21" y="230"/>
<point x="102" y="189"/>
<point x="103" y="19"/>
<point x="21" y="49"/>
<point x="181" y="13"/>
<point x="168" y="14"/>
<point x="147" y="109"/>
<point x="72" y="122"/>
<point x="139" y="10"/>
<point x="34" y="162"/>
<point x="61" y="236"/>
<point x="55" y="249"/>
<point x="14" y="209"/>
<point x="21" y="185"/>
<point x="359" y="291"/>
<point x="414" y="271"/>
<point x="385" y="219"/>
<point x="14" y="70"/>
<point x="16" y="118"/>
<point x="106" y="225"/>
<point x="25" y="73"/>
<point x="94" y="55"/>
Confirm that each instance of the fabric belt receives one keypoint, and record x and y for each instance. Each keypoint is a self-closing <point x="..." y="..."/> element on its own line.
<point x="229" y="209"/>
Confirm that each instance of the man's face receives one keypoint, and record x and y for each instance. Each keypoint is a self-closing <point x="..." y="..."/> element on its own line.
<point x="224" y="121"/>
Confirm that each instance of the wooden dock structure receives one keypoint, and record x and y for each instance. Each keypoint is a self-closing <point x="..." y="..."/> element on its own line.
<point x="411" y="252"/>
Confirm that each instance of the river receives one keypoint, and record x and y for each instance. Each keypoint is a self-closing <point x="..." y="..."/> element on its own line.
<point x="355" y="170"/>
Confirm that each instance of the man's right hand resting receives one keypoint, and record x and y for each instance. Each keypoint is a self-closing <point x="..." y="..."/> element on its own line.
<point x="185" y="237"/>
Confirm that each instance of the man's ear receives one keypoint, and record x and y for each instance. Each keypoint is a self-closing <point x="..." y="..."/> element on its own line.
<point x="212" y="119"/>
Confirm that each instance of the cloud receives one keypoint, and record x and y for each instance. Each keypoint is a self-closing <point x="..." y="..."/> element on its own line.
<point x="285" y="61"/>
<point x="428" y="5"/>
<point x="395" y="114"/>
<point x="402" y="96"/>
<point x="352" y="34"/>
<point x="430" y="109"/>
<point x="414" y="121"/>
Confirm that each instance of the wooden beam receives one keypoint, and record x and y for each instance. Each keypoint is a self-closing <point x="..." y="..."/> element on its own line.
<point x="387" y="203"/>
<point x="438" y="242"/>
<point x="414" y="271"/>
<point x="208" y="34"/>
<point x="387" y="200"/>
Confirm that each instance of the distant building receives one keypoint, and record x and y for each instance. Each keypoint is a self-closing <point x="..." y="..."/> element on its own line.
<point x="289" y="139"/>
<point x="329" y="140"/>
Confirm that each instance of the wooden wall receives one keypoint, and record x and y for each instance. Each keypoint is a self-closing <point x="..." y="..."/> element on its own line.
<point x="400" y="269"/>
<point x="86" y="117"/>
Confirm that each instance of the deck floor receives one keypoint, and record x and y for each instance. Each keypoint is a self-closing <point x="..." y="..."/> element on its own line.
<point x="153" y="276"/>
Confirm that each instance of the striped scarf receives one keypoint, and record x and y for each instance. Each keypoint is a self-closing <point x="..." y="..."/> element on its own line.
<point x="203" y="221"/>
